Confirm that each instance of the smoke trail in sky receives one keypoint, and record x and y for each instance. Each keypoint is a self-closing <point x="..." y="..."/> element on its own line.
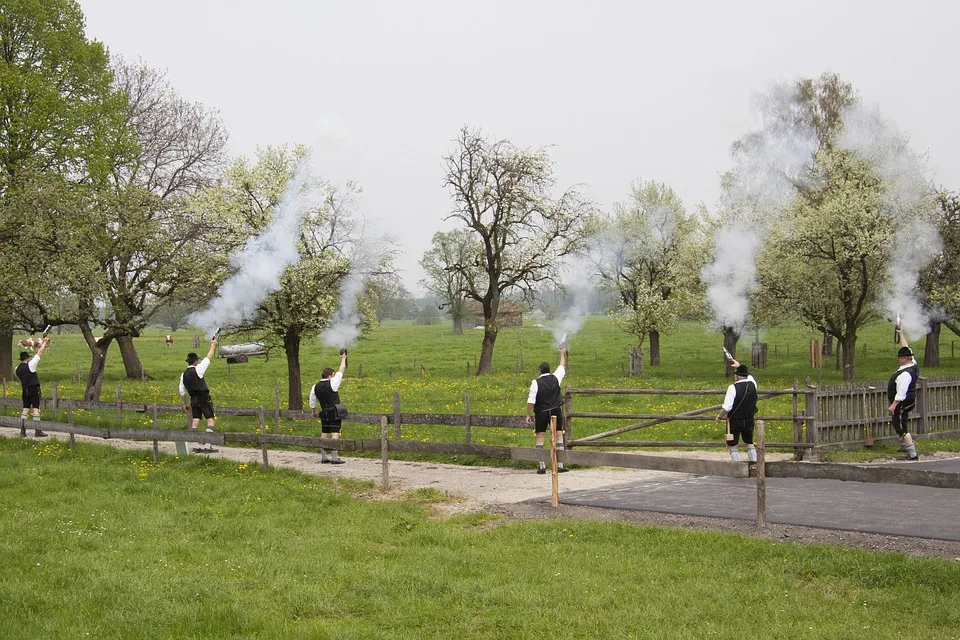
<point x="909" y="200"/>
<point x="344" y="326"/>
<point x="732" y="276"/>
<point x="576" y="308"/>
<point x="265" y="256"/>
<point x="769" y="164"/>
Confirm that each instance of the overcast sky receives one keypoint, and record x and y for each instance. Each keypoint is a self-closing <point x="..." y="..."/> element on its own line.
<point x="621" y="91"/>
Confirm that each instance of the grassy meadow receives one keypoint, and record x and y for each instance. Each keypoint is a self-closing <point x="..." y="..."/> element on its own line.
<point x="103" y="543"/>
<point x="391" y="360"/>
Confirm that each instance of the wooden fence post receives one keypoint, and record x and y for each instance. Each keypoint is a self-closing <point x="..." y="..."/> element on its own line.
<point x="923" y="404"/>
<point x="567" y="420"/>
<point x="761" y="478"/>
<point x="263" y="433"/>
<point x="360" y="372"/>
<point x="4" y="387"/>
<point x="384" y="456"/>
<point x="276" y="409"/>
<point x="555" y="494"/>
<point x="466" y="405"/>
<point x="55" y="400"/>
<point x="153" y="425"/>
<point x="73" y="440"/>
<point x="811" y="409"/>
<point x="797" y="423"/>
<point x="120" y="404"/>
<point x="396" y="415"/>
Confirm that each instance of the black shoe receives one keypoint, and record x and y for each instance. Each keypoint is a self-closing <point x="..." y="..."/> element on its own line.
<point x="541" y="471"/>
<point x="39" y="434"/>
<point x="912" y="459"/>
<point x="562" y="470"/>
<point x="337" y="461"/>
<point x="23" y="433"/>
<point x="205" y="450"/>
<point x="324" y="461"/>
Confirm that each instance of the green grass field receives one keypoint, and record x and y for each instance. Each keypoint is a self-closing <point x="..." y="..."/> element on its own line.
<point x="102" y="543"/>
<point x="391" y="357"/>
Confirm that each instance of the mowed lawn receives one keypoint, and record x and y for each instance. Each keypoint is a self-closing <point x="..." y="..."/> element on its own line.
<point x="101" y="543"/>
<point x="392" y="354"/>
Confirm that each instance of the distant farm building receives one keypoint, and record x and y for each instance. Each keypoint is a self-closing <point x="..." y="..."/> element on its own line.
<point x="511" y="314"/>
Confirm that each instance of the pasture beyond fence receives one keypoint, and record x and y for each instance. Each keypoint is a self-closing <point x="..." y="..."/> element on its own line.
<point x="823" y="418"/>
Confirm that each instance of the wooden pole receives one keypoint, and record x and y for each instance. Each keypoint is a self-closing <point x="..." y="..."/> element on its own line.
<point x="276" y="409"/>
<point x="466" y="406"/>
<point x="263" y="433"/>
<point x="761" y="478"/>
<point x="55" y="400"/>
<point x="73" y="440"/>
<point x="384" y="456"/>
<point x="396" y="415"/>
<point x="555" y="495"/>
<point x="120" y="404"/>
<point x="153" y="425"/>
<point x="797" y="424"/>
<point x="568" y="421"/>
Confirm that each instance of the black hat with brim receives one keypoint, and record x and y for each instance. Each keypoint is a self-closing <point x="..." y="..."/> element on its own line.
<point x="192" y="357"/>
<point x="741" y="371"/>
<point x="24" y="355"/>
<point x="905" y="352"/>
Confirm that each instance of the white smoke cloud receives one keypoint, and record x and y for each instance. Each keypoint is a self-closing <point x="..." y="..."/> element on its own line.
<point x="265" y="256"/>
<point x="909" y="200"/>
<point x="344" y="326"/>
<point x="732" y="276"/>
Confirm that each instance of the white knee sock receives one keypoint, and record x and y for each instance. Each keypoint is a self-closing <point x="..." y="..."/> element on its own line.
<point x="734" y="454"/>
<point x="751" y="453"/>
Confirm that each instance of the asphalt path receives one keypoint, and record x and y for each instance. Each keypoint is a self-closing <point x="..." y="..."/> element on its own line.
<point x="888" y="509"/>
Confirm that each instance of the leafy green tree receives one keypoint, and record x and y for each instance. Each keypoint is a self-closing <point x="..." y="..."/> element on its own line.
<point x="309" y="290"/>
<point x="940" y="281"/>
<point x="502" y="194"/>
<point x="56" y="103"/>
<point x="450" y="263"/>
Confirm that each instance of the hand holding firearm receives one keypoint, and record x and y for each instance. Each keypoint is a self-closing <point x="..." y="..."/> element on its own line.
<point x="897" y="331"/>
<point x="46" y="335"/>
<point x="343" y="358"/>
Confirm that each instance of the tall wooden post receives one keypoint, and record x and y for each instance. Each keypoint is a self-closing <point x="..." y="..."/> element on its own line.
<point x="555" y="495"/>
<point x="761" y="478"/>
<point x="153" y="425"/>
<point x="567" y="420"/>
<point x="923" y="405"/>
<point x="811" y="410"/>
<point x="73" y="440"/>
<point x="384" y="455"/>
<point x="276" y="409"/>
<point x="466" y="406"/>
<point x="396" y="415"/>
<point x="56" y="400"/>
<point x="797" y="423"/>
<point x="263" y="438"/>
<point x="120" y="404"/>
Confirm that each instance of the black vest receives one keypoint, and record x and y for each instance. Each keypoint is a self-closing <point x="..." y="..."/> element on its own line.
<point x="27" y="378"/>
<point x="326" y="396"/>
<point x="548" y="393"/>
<point x="193" y="382"/>
<point x="744" y="402"/>
<point x="914" y="372"/>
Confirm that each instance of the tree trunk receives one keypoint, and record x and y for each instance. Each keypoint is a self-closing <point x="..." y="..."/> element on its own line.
<point x="636" y="360"/>
<point x="486" y="351"/>
<point x="97" y="365"/>
<point x="730" y="339"/>
<point x="458" y="325"/>
<point x="827" y="344"/>
<point x="654" y="348"/>
<point x="931" y="351"/>
<point x="291" y="345"/>
<point x="848" y="348"/>
<point x="131" y="361"/>
<point x="6" y="353"/>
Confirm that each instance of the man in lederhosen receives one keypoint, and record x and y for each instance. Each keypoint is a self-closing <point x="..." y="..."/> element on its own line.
<point x="902" y="394"/>
<point x="739" y="407"/>
<point x="193" y="383"/>
<point x="544" y="401"/>
<point x="30" y="381"/>
<point x="326" y="394"/>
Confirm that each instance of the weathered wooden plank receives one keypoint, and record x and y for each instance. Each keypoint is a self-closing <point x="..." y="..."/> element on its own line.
<point x="673" y="392"/>
<point x="451" y="448"/>
<point x="682" y="444"/>
<point x="856" y="473"/>
<point x="638" y="461"/>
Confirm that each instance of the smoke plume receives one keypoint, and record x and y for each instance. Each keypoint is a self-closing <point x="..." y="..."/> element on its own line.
<point x="265" y="256"/>
<point x="909" y="200"/>
<point x="345" y="324"/>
